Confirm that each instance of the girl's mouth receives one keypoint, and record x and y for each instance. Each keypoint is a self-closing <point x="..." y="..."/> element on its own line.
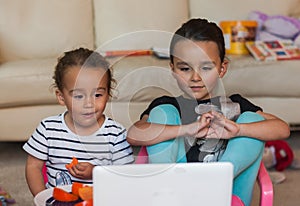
<point x="89" y="115"/>
<point x="197" y="88"/>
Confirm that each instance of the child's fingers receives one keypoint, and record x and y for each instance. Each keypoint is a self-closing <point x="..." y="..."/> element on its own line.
<point x="217" y="115"/>
<point x="206" y="118"/>
<point x="80" y="167"/>
<point x="72" y="171"/>
<point x="211" y="134"/>
<point x="75" y="172"/>
<point x="207" y="115"/>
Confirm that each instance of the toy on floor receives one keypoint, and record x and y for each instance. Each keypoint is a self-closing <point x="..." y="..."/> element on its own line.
<point x="279" y="155"/>
<point x="5" y="198"/>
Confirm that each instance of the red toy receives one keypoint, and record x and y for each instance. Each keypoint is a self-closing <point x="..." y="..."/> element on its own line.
<point x="281" y="152"/>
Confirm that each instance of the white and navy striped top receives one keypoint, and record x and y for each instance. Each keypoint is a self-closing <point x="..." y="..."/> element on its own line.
<point x="55" y="143"/>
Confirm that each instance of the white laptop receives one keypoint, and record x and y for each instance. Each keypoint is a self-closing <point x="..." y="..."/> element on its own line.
<point x="163" y="184"/>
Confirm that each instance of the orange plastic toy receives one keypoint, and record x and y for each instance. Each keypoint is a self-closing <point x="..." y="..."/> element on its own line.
<point x="73" y="163"/>
<point x="86" y="193"/>
<point x="62" y="195"/>
<point x="76" y="186"/>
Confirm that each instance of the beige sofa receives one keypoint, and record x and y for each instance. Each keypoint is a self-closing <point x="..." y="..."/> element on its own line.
<point x="33" y="33"/>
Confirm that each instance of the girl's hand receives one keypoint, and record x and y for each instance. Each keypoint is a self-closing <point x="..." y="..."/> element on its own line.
<point x="82" y="170"/>
<point x="222" y="128"/>
<point x="200" y="128"/>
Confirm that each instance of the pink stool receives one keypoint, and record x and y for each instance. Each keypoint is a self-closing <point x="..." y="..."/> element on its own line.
<point x="264" y="182"/>
<point x="44" y="171"/>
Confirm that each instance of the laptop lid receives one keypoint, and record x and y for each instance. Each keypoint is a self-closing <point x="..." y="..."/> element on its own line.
<point x="163" y="184"/>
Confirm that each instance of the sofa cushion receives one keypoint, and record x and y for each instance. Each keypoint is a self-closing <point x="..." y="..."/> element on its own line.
<point x="29" y="82"/>
<point x="139" y="79"/>
<point x="253" y="78"/>
<point x="142" y="79"/>
<point x="218" y="11"/>
<point x="41" y="29"/>
<point x="135" y="15"/>
<point x="18" y="123"/>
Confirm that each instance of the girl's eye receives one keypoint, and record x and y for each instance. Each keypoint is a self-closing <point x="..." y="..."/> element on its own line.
<point x="78" y="96"/>
<point x="206" y="68"/>
<point x="184" y="69"/>
<point x="98" y="95"/>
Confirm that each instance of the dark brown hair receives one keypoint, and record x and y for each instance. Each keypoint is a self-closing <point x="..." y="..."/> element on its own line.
<point x="199" y="30"/>
<point x="83" y="58"/>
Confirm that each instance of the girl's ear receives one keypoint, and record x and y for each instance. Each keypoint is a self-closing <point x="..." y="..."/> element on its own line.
<point x="171" y="66"/>
<point x="223" y="69"/>
<point x="60" y="97"/>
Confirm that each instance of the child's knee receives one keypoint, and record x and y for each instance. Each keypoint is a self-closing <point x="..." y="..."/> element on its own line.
<point x="247" y="117"/>
<point x="163" y="152"/>
<point x="165" y="114"/>
<point x="171" y="150"/>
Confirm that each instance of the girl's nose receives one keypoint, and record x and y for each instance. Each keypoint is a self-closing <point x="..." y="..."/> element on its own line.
<point x="89" y="102"/>
<point x="196" y="76"/>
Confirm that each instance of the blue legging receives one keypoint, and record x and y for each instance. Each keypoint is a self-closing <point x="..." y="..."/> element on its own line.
<point x="243" y="152"/>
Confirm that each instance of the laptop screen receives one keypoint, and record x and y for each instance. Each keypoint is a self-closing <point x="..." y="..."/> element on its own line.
<point x="163" y="184"/>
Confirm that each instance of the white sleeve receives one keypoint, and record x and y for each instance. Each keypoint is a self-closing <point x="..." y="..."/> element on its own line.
<point x="37" y="145"/>
<point x="122" y="151"/>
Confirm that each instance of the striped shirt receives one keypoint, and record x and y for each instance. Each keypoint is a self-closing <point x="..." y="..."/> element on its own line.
<point x="55" y="143"/>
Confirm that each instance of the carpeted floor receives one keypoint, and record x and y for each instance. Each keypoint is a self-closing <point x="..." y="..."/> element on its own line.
<point x="12" y="176"/>
<point x="286" y="193"/>
<point x="12" y="173"/>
